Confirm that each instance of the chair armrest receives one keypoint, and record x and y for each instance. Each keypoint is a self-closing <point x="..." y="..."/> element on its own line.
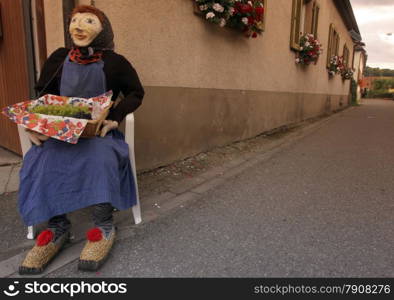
<point x="129" y="138"/>
<point x="129" y="131"/>
<point x="24" y="140"/>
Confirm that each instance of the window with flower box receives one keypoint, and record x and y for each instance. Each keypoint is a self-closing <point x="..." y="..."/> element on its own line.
<point x="247" y="16"/>
<point x="304" y="19"/>
<point x="333" y="44"/>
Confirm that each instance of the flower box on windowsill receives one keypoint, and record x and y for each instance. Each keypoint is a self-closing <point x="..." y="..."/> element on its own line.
<point x="240" y="15"/>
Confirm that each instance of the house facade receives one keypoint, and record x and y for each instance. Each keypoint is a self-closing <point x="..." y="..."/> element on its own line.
<point x="207" y="85"/>
<point x="360" y="64"/>
<point x="368" y="81"/>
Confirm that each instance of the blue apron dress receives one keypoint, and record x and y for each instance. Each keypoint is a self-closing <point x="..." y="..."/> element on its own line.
<point x="58" y="177"/>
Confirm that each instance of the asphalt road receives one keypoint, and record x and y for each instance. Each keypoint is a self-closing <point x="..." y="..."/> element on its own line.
<point x="321" y="207"/>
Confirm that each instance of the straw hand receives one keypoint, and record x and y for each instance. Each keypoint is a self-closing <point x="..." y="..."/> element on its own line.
<point x="36" y="138"/>
<point x="108" y="126"/>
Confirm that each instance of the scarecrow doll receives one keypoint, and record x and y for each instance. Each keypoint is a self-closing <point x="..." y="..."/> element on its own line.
<point x="57" y="177"/>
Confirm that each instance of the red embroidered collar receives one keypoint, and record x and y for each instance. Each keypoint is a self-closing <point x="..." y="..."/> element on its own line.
<point x="78" y="57"/>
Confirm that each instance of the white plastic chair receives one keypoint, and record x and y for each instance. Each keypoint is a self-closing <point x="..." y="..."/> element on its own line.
<point x="129" y="137"/>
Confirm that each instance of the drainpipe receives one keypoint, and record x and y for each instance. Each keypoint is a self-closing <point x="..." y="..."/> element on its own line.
<point x="68" y="6"/>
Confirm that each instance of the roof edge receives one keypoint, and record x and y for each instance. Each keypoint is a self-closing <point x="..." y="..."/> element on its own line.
<point x="346" y="11"/>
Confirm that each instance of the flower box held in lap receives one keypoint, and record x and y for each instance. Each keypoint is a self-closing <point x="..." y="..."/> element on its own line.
<point x="52" y="115"/>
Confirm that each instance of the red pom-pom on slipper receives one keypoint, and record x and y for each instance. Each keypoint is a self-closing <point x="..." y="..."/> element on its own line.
<point x="44" y="238"/>
<point x="94" y="235"/>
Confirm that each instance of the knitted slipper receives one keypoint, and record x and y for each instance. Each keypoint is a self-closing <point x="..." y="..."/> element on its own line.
<point x="96" y="249"/>
<point x="43" y="252"/>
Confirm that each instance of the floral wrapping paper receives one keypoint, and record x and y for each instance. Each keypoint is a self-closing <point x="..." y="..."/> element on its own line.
<point x="65" y="129"/>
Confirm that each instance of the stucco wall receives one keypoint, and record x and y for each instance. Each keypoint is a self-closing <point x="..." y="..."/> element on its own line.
<point x="178" y="122"/>
<point x="53" y="24"/>
<point x="191" y="69"/>
<point x="170" y="46"/>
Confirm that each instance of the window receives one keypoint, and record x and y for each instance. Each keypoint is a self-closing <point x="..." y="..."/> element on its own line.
<point x="333" y="44"/>
<point x="304" y="19"/>
<point x="346" y="55"/>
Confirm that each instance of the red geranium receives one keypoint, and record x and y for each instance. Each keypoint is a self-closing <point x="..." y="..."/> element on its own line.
<point x="246" y="8"/>
<point x="259" y="11"/>
<point x="309" y="51"/>
<point x="243" y="15"/>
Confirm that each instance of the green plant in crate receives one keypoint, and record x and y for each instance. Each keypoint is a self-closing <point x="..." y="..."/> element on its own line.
<point x="67" y="110"/>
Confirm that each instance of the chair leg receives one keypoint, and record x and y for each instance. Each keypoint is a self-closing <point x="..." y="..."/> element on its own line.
<point x="129" y="136"/>
<point x="137" y="207"/>
<point x="31" y="232"/>
<point x="137" y="213"/>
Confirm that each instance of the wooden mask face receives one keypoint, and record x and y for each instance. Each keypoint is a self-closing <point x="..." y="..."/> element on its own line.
<point x="84" y="28"/>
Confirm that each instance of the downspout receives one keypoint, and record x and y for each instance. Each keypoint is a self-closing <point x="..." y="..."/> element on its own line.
<point x="68" y="6"/>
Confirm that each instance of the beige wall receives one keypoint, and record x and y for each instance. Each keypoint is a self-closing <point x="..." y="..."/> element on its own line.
<point x="170" y="46"/>
<point x="53" y="24"/>
<point x="174" y="123"/>
<point x="200" y="65"/>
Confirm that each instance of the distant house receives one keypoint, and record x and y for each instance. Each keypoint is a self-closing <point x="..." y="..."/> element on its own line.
<point x="207" y="85"/>
<point x="368" y="81"/>
<point x="359" y="63"/>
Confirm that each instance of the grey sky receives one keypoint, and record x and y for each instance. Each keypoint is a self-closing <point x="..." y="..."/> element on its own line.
<point x="375" y="19"/>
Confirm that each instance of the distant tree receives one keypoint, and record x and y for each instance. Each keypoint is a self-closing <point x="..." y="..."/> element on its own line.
<point x="387" y="72"/>
<point x="371" y="71"/>
<point x="378" y="72"/>
<point x="383" y="84"/>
